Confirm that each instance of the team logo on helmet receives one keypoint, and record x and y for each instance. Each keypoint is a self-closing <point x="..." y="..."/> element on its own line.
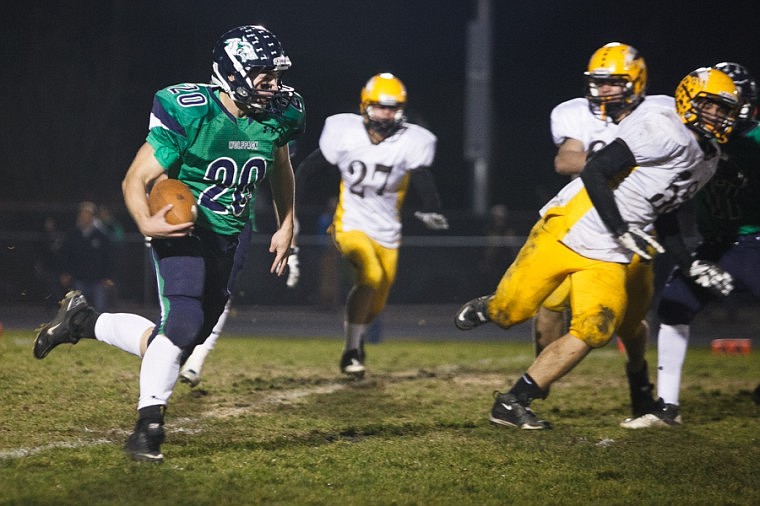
<point x="241" y="50"/>
<point x="239" y="57"/>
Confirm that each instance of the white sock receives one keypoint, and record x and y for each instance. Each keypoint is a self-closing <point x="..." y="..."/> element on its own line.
<point x="354" y="333"/>
<point x="210" y="341"/>
<point x="159" y="371"/>
<point x="122" y="330"/>
<point x="672" y="341"/>
<point x="196" y="359"/>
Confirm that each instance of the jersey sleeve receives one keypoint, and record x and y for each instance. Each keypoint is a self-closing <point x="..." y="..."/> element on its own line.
<point x="564" y="124"/>
<point x="329" y="139"/>
<point x="166" y="134"/>
<point x="558" y="126"/>
<point x="422" y="148"/>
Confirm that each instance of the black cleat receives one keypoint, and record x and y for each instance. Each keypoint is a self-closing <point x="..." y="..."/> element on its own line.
<point x="508" y="411"/>
<point x="641" y="390"/>
<point x="352" y="362"/>
<point x="144" y="444"/>
<point x="60" y="329"/>
<point x="473" y="314"/>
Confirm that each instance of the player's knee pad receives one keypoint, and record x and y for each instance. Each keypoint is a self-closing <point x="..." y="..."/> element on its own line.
<point x="182" y="284"/>
<point x="183" y="321"/>
<point x="501" y="318"/>
<point x="508" y="313"/>
<point x="673" y="312"/>
<point x="597" y="328"/>
<point x="679" y="302"/>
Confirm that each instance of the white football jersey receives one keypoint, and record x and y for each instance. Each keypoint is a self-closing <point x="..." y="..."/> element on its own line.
<point x="374" y="177"/>
<point x="670" y="168"/>
<point x="573" y="119"/>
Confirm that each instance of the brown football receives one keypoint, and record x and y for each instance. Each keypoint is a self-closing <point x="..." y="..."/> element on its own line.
<point x="177" y="193"/>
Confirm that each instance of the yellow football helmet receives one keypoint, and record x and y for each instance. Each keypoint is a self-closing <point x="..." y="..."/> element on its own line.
<point x="619" y="65"/>
<point x="702" y="86"/>
<point x="386" y="90"/>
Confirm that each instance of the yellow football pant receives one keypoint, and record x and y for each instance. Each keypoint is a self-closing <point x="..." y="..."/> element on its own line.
<point x="374" y="265"/>
<point x="639" y="287"/>
<point x="596" y="288"/>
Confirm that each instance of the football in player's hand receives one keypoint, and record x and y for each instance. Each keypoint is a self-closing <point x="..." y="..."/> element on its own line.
<point x="176" y="193"/>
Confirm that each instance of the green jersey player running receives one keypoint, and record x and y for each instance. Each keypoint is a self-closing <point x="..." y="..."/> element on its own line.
<point x="223" y="140"/>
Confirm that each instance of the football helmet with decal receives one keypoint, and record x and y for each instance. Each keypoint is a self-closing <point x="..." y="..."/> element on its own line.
<point x="239" y="56"/>
<point x="385" y="90"/>
<point x="700" y="88"/>
<point x="619" y="65"/>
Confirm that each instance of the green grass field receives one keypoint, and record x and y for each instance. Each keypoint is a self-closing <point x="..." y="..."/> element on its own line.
<point x="275" y="423"/>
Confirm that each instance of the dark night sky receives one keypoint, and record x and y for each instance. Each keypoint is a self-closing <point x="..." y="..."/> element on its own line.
<point x="78" y="76"/>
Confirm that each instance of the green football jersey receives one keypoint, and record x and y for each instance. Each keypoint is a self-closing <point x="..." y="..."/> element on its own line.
<point x="221" y="158"/>
<point x="728" y="204"/>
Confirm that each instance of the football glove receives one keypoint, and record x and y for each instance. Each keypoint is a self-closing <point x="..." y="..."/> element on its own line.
<point x="708" y="275"/>
<point x="433" y="221"/>
<point x="293" y="271"/>
<point x="638" y="241"/>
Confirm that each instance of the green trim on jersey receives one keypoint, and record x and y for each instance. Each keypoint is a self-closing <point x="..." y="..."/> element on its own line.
<point x="221" y="158"/>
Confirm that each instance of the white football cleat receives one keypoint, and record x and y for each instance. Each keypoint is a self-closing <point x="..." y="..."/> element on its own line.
<point x="664" y="415"/>
<point x="190" y="376"/>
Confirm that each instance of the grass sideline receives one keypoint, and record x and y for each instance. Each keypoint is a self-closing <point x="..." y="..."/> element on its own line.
<point x="274" y="423"/>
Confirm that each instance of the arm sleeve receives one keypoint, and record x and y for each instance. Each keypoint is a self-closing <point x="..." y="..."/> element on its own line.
<point x="165" y="133"/>
<point x="307" y="169"/>
<point x="669" y="234"/>
<point x="422" y="180"/>
<point x="605" y="168"/>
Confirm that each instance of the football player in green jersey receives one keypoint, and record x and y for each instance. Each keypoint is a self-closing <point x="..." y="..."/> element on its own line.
<point x="222" y="140"/>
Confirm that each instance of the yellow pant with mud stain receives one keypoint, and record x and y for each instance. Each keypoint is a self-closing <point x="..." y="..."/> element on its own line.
<point x="639" y="288"/>
<point x="597" y="289"/>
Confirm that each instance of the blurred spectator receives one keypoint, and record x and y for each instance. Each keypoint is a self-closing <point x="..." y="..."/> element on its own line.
<point x="330" y="276"/>
<point x="86" y="258"/>
<point x="108" y="223"/>
<point x="46" y="267"/>
<point x="497" y="256"/>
